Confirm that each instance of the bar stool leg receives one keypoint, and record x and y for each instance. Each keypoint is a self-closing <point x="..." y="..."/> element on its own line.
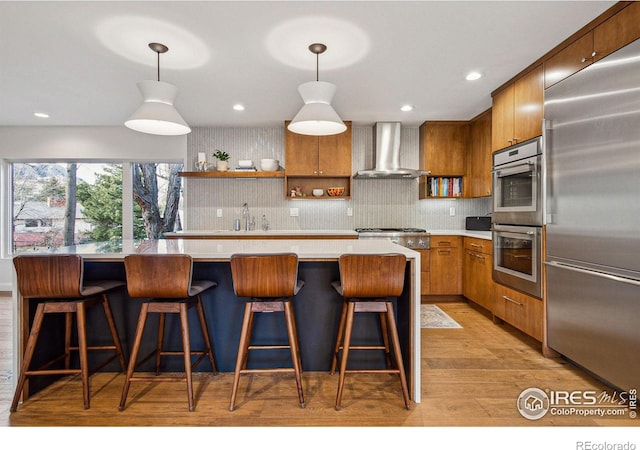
<point x="82" y="350"/>
<point x="345" y="351"/>
<point x="142" y="320"/>
<point x="186" y="348"/>
<point x="205" y="334"/>
<point x="68" y="322"/>
<point x="396" y="349"/>
<point x="114" y="331"/>
<point x="295" y="350"/>
<point x="28" y="354"/>
<point x="160" y="341"/>
<point x="243" y="346"/>
<point x="343" y="318"/>
<point x="385" y="338"/>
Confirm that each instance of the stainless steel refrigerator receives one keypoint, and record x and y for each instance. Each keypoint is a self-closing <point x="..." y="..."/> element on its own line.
<point x="592" y="151"/>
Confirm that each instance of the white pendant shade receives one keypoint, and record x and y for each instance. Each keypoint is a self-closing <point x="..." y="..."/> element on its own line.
<point x="317" y="117"/>
<point x="157" y="114"/>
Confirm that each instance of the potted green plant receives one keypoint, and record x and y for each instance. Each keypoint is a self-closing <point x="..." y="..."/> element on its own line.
<point x="222" y="163"/>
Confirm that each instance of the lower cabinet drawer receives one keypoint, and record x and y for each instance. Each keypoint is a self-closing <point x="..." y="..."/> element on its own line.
<point x="520" y="310"/>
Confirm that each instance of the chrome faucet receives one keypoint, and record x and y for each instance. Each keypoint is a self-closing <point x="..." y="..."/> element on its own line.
<point x="247" y="217"/>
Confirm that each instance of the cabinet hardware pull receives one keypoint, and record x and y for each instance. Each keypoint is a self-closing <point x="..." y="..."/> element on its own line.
<point x="512" y="300"/>
<point x="515" y="140"/>
<point x="589" y="58"/>
<point x="444" y="242"/>
<point x="476" y="245"/>
<point x="444" y="252"/>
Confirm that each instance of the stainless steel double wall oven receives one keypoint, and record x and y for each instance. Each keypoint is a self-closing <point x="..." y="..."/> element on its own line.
<point x="518" y="217"/>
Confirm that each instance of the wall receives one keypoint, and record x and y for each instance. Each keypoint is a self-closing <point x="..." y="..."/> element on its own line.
<point x="381" y="203"/>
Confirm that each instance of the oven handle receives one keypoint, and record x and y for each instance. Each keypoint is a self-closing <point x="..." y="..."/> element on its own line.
<point x="515" y="169"/>
<point x="608" y="276"/>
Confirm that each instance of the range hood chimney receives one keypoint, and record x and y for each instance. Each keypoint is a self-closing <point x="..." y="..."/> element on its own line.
<point x="386" y="147"/>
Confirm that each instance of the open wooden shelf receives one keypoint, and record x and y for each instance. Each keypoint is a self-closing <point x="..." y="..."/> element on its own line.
<point x="233" y="174"/>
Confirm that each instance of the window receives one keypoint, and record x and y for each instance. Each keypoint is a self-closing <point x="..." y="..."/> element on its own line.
<point x="64" y="203"/>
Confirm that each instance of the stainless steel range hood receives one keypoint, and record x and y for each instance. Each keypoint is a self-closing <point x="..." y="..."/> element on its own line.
<point x="386" y="147"/>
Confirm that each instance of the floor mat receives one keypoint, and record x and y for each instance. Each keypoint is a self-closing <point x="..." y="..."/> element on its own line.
<point x="433" y="317"/>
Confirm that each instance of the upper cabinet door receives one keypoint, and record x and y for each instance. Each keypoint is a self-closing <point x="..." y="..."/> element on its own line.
<point x="502" y="119"/>
<point x="528" y="106"/>
<point x="334" y="154"/>
<point x="300" y="153"/>
<point x="518" y="110"/>
<point x="443" y="145"/>
<point x="569" y="60"/>
<point x="620" y="30"/>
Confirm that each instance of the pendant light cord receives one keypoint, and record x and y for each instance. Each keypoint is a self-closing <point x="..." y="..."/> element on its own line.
<point x="158" y="66"/>
<point x="317" y="66"/>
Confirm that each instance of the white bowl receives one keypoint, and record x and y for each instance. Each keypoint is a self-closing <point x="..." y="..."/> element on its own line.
<point x="245" y="163"/>
<point x="269" y="165"/>
<point x="318" y="192"/>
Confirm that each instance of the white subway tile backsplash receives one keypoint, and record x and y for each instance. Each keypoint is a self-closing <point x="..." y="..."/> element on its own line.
<point x="381" y="203"/>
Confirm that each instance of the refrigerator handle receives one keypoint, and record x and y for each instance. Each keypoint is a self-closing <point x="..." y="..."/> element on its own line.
<point x="608" y="276"/>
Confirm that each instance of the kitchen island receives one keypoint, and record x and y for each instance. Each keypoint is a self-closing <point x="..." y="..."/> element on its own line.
<point x="317" y="306"/>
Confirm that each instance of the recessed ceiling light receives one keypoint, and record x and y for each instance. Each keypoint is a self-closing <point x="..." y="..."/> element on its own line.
<point x="406" y="108"/>
<point x="238" y="107"/>
<point x="473" y="76"/>
<point x="41" y="115"/>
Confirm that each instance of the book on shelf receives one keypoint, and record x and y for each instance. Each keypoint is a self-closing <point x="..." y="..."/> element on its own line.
<point x="444" y="187"/>
<point x="245" y="169"/>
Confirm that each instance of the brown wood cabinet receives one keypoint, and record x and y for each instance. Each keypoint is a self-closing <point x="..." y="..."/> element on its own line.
<point x="477" y="279"/>
<point x="477" y="181"/>
<point x="318" y="155"/>
<point x="614" y="33"/>
<point x="520" y="310"/>
<point x="443" y="146"/>
<point x="318" y="162"/>
<point x="518" y="110"/>
<point x="445" y="265"/>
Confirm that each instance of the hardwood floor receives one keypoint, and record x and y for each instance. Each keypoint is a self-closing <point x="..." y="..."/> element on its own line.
<point x="470" y="377"/>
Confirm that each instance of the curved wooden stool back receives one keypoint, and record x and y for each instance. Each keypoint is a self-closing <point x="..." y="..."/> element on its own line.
<point x="166" y="280"/>
<point x="58" y="281"/>
<point x="269" y="281"/>
<point x="366" y="283"/>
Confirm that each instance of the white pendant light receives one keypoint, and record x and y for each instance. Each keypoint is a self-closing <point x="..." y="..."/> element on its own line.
<point x="317" y="117"/>
<point x="157" y="115"/>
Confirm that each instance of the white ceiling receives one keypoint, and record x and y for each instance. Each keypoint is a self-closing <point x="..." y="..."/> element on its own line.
<point x="80" y="61"/>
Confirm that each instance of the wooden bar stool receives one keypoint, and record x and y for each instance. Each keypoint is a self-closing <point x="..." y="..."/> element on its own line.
<point x="166" y="280"/>
<point x="58" y="280"/>
<point x="367" y="282"/>
<point x="270" y="282"/>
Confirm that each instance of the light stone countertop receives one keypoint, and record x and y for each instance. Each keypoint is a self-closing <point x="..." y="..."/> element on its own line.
<point x="260" y="233"/>
<point x="222" y="249"/>
<point x="293" y="233"/>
